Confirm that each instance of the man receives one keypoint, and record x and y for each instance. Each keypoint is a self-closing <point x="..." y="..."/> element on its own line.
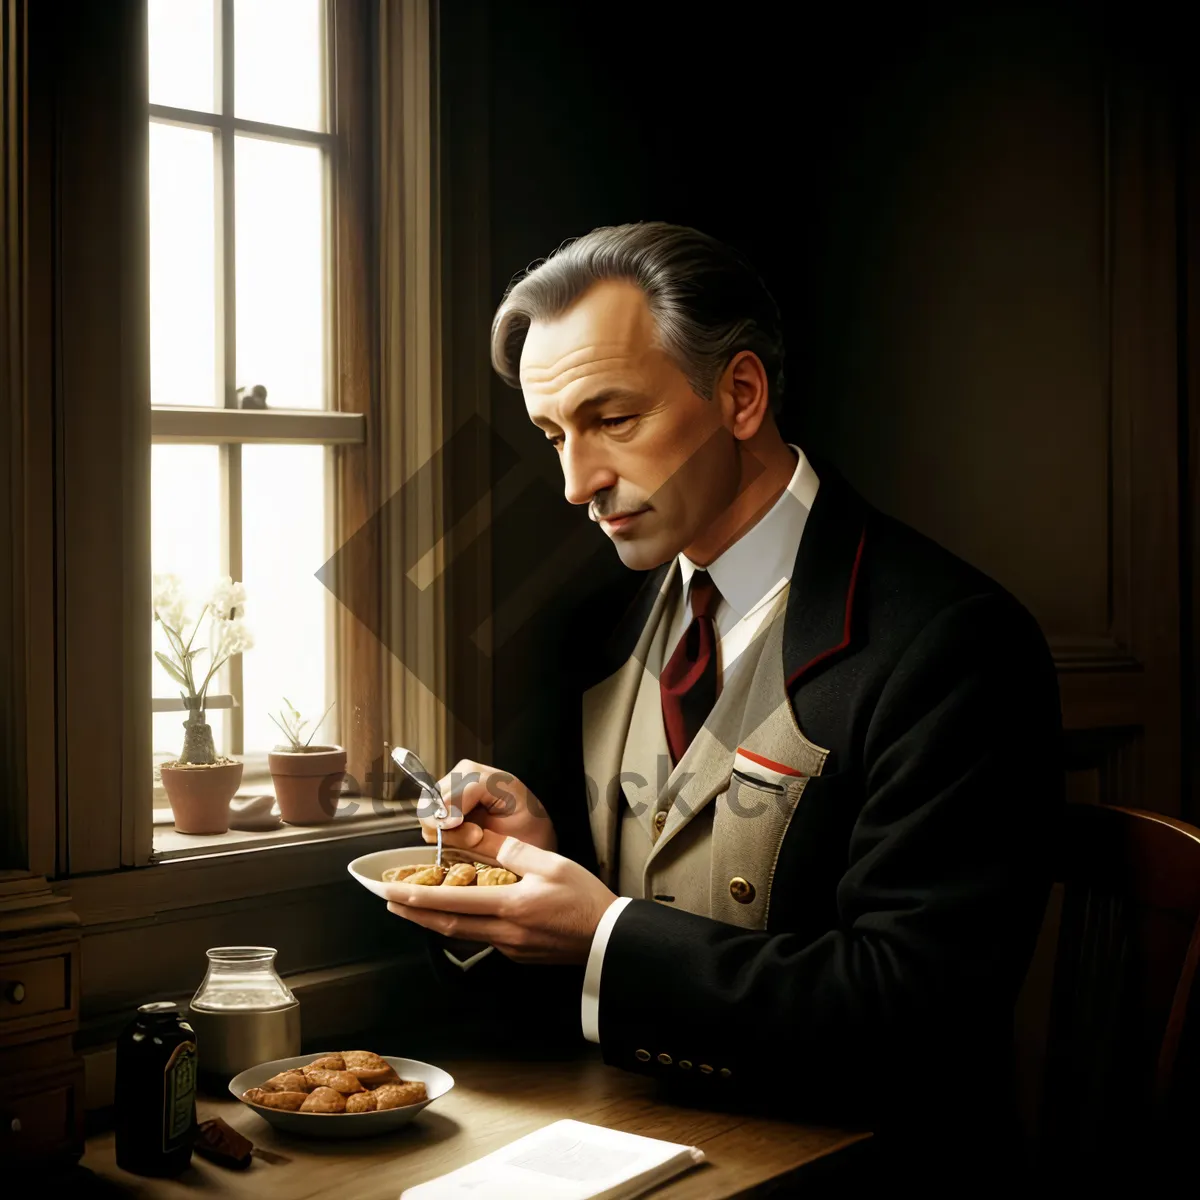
<point x="821" y="752"/>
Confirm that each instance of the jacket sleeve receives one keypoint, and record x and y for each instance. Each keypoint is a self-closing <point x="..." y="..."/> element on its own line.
<point x="946" y="879"/>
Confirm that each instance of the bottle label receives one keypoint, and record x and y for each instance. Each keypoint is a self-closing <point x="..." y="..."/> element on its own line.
<point x="179" y="1094"/>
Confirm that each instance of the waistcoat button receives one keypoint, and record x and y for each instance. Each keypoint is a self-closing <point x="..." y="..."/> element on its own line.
<point x="742" y="890"/>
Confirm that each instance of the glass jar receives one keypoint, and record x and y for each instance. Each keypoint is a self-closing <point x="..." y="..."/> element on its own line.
<point x="243" y="1012"/>
<point x="242" y="977"/>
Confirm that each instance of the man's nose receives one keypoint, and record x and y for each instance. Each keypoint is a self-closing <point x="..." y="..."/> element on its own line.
<point x="584" y="473"/>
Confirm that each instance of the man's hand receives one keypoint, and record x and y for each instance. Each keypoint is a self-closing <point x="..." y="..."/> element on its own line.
<point x="549" y="916"/>
<point x="478" y="798"/>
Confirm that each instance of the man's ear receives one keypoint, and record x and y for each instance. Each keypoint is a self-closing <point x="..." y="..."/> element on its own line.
<point x="744" y="394"/>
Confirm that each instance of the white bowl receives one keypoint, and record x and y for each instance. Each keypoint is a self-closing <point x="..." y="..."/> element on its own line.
<point x="368" y="869"/>
<point x="342" y="1125"/>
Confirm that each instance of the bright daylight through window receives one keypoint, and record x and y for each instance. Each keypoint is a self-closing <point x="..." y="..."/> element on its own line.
<point x="239" y="286"/>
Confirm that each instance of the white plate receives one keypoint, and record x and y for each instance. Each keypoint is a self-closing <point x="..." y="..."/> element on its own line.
<point x="342" y="1125"/>
<point x="369" y="868"/>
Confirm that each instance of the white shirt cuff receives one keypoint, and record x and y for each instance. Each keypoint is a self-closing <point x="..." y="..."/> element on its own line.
<point x="470" y="962"/>
<point x="590" y="1006"/>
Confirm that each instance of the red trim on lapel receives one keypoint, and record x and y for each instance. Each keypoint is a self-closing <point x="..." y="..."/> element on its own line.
<point x="762" y="761"/>
<point x="808" y="666"/>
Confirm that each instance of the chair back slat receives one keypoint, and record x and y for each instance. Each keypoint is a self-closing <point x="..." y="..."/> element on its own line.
<point x="1126" y="959"/>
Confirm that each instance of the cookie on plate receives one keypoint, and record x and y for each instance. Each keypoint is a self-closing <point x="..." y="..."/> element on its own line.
<point x="398" y="1095"/>
<point x="340" y="1081"/>
<point x="324" y="1100"/>
<point x="288" y="1101"/>
<point x="287" y="1081"/>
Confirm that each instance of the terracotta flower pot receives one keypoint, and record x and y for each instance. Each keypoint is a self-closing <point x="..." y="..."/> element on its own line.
<point x="200" y="795"/>
<point x="308" y="785"/>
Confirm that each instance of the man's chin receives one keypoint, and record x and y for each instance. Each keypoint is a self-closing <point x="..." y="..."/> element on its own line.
<point x="643" y="554"/>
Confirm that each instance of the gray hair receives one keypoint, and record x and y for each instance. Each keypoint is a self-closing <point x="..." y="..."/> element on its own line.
<point x="708" y="302"/>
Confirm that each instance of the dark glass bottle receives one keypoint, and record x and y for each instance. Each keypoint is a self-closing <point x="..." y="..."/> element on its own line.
<point x="156" y="1092"/>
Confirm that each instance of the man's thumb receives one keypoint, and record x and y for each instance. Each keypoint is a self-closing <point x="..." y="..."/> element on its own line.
<point x="523" y="859"/>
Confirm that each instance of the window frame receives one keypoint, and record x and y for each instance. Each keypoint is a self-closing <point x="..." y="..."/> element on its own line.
<point x="85" y="507"/>
<point x="225" y="425"/>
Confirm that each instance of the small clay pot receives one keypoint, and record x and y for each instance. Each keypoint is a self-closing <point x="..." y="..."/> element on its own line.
<point x="308" y="785"/>
<point x="200" y="795"/>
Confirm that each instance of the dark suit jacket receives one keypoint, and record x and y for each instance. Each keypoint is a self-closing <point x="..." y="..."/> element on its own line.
<point x="913" y="878"/>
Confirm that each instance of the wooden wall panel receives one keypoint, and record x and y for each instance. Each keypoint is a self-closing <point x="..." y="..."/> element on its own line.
<point x="969" y="222"/>
<point x="1017" y="401"/>
<point x="1189" y="198"/>
<point x="164" y="955"/>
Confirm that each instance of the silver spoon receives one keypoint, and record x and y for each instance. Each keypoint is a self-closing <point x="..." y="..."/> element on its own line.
<point x="415" y="770"/>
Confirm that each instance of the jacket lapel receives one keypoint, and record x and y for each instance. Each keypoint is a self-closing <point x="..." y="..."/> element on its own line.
<point x="820" y="611"/>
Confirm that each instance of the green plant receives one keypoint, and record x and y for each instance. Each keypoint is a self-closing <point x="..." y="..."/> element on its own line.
<point x="227" y="635"/>
<point x="292" y="727"/>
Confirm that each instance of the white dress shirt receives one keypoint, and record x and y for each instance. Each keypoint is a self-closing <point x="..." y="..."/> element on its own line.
<point x="748" y="575"/>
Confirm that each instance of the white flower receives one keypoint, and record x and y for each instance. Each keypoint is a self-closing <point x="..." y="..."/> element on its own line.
<point x="166" y="589"/>
<point x="233" y="637"/>
<point x="169" y="602"/>
<point x="228" y="599"/>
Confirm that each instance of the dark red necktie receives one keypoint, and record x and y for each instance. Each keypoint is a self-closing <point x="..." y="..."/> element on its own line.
<point x="688" y="683"/>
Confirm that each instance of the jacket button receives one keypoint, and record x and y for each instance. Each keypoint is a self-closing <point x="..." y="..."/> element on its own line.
<point x="742" y="890"/>
<point x="724" y="1072"/>
<point x="642" y="1055"/>
<point x="660" y="819"/>
<point x="685" y="1064"/>
<point x="705" y="1069"/>
<point x="665" y="1059"/>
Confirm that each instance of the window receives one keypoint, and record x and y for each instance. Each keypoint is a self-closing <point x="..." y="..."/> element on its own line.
<point x="241" y="178"/>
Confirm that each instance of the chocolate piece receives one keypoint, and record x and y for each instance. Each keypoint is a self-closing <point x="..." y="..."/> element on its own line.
<point x="222" y="1144"/>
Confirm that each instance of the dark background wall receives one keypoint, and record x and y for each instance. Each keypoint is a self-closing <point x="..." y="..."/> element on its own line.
<point x="971" y="220"/>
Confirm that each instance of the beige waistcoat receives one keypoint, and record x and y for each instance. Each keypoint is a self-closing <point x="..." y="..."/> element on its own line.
<point x="703" y="836"/>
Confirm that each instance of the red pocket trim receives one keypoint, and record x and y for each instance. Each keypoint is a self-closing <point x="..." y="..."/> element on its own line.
<point x="766" y="762"/>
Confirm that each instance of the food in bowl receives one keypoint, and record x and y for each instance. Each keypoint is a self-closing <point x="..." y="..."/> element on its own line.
<point x="458" y="872"/>
<point x="354" y="1081"/>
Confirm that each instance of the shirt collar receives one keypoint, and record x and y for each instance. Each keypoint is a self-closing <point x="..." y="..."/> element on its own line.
<point x="762" y="558"/>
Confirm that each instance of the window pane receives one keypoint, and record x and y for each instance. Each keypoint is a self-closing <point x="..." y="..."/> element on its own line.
<point x="278" y="70"/>
<point x="182" y="33"/>
<point x="283" y="546"/>
<point x="280" y="272"/>
<point x="183" y="347"/>
<point x="185" y="540"/>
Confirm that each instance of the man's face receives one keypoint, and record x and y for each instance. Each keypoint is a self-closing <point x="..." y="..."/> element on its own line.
<point x="654" y="461"/>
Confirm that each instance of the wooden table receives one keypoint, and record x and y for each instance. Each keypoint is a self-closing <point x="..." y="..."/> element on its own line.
<point x="493" y="1103"/>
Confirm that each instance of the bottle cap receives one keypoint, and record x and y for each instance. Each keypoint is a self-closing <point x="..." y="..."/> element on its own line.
<point x="158" y="1008"/>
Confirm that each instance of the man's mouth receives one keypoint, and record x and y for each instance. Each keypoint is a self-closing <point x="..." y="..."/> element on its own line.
<point x="619" y="521"/>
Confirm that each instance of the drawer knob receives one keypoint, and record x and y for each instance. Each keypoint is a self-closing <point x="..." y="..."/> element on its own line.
<point x="16" y="1125"/>
<point x="14" y="993"/>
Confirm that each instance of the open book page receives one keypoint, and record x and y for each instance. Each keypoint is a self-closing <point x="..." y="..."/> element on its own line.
<point x="567" y="1160"/>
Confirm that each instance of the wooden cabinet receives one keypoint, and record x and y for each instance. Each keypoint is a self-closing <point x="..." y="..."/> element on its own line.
<point x="42" y="1119"/>
<point x="39" y="986"/>
<point x="41" y="1103"/>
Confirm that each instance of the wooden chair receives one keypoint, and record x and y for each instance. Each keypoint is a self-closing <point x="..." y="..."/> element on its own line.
<point x="1120" y="1059"/>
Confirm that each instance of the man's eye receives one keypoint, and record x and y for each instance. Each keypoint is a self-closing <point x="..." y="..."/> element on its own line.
<point x="612" y="422"/>
<point x="554" y="441"/>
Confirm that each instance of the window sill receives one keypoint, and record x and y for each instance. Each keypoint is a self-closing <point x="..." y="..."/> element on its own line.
<point x="354" y="818"/>
<point x="233" y="869"/>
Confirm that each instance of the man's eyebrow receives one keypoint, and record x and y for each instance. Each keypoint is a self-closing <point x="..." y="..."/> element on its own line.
<point x="592" y="402"/>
